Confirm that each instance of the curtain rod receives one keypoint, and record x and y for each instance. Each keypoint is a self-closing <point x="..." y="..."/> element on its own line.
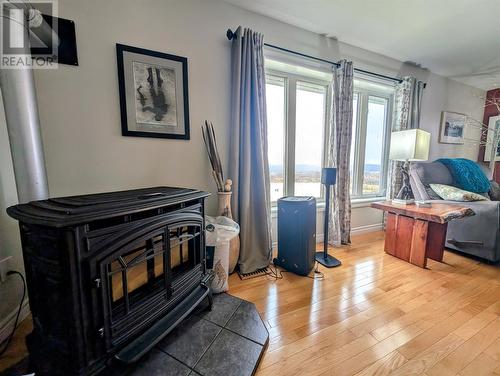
<point x="232" y="35"/>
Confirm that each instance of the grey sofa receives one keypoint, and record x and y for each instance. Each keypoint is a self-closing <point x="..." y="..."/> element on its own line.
<point x="478" y="235"/>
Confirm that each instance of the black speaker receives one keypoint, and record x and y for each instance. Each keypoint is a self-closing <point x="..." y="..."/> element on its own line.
<point x="328" y="176"/>
<point x="296" y="234"/>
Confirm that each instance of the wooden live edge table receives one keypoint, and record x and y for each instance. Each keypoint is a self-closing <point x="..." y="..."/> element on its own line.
<point x="415" y="233"/>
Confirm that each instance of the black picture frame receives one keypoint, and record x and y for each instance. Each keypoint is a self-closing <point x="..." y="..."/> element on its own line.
<point x="66" y="50"/>
<point x="121" y="50"/>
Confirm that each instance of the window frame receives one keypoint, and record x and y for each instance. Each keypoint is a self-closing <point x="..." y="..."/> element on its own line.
<point x="289" y="132"/>
<point x="360" y="142"/>
<point x="364" y="89"/>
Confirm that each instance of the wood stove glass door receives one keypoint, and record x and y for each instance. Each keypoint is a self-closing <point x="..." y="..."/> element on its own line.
<point x="138" y="272"/>
<point x="184" y="241"/>
<point x="144" y="277"/>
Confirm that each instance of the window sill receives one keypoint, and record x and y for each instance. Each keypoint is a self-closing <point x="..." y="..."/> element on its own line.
<point x="355" y="203"/>
<point x="364" y="202"/>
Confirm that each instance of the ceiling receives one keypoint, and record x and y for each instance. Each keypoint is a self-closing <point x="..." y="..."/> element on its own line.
<point x="459" y="39"/>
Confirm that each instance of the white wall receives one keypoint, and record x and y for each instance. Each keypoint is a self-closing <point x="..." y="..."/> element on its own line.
<point x="10" y="292"/>
<point x="443" y="94"/>
<point x="79" y="106"/>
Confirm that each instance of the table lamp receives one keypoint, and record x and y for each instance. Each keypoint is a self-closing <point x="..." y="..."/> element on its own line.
<point x="328" y="178"/>
<point x="407" y="146"/>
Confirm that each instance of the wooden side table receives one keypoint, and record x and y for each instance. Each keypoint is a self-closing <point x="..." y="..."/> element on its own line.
<point x="414" y="234"/>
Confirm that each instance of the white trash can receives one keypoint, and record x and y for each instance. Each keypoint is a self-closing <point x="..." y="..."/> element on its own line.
<point x="219" y="232"/>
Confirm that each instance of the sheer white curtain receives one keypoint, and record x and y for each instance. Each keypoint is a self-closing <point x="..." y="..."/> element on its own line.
<point x="407" y="108"/>
<point x="339" y="151"/>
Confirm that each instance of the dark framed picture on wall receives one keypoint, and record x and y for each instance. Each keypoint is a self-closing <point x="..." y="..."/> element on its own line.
<point x="452" y="128"/>
<point x="153" y="90"/>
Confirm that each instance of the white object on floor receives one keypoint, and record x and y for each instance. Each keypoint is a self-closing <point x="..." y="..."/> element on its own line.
<point x="224" y="229"/>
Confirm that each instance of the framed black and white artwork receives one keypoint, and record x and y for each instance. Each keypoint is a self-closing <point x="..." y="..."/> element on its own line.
<point x="452" y="128"/>
<point x="153" y="93"/>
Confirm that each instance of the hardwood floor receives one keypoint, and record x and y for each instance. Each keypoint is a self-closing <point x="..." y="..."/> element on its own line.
<point x="378" y="315"/>
<point x="17" y="348"/>
<point x="374" y="315"/>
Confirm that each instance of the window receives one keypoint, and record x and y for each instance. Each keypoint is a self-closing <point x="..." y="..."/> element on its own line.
<point x="309" y="130"/>
<point x="297" y="109"/>
<point x="296" y="118"/>
<point x="370" y="138"/>
<point x="275" y="93"/>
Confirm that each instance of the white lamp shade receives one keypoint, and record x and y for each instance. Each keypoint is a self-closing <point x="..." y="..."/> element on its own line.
<point x="410" y="145"/>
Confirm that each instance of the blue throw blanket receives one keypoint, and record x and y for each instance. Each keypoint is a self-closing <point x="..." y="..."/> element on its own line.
<point x="467" y="174"/>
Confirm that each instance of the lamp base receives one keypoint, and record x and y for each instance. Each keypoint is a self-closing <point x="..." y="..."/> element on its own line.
<point x="329" y="261"/>
<point x="405" y="195"/>
<point x="403" y="202"/>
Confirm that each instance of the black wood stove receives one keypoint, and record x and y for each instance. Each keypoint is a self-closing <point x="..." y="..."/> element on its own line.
<point x="110" y="274"/>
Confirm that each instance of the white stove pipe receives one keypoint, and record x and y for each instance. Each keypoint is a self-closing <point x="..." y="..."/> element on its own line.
<point x="23" y="126"/>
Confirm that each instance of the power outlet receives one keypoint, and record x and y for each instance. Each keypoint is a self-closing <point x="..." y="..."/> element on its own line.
<point x="4" y="268"/>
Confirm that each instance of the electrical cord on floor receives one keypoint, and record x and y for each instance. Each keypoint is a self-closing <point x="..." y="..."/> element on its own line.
<point x="278" y="273"/>
<point x="317" y="274"/>
<point x="274" y="273"/>
<point x="9" y="339"/>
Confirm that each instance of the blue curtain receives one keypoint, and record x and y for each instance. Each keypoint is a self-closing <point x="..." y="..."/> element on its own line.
<point x="248" y="163"/>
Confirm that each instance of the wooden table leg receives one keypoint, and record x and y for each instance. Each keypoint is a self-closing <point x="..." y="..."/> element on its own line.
<point x="436" y="239"/>
<point x="390" y="234"/>
<point x="405" y="238"/>
<point x="404" y="232"/>
<point x="419" y="243"/>
<point x="413" y="240"/>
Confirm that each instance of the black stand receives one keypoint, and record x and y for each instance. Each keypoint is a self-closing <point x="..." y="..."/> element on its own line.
<point x="323" y="257"/>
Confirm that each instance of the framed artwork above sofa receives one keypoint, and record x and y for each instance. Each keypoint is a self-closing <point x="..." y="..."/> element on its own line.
<point x="452" y="128"/>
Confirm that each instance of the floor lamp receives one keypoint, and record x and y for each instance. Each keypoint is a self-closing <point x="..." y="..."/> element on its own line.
<point x="328" y="178"/>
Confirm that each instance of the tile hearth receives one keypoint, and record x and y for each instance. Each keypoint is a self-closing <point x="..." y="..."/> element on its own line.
<point x="227" y="341"/>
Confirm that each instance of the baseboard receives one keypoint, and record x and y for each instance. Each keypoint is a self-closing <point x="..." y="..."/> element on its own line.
<point x="7" y="323"/>
<point x="354" y="231"/>
<point x="368" y="228"/>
